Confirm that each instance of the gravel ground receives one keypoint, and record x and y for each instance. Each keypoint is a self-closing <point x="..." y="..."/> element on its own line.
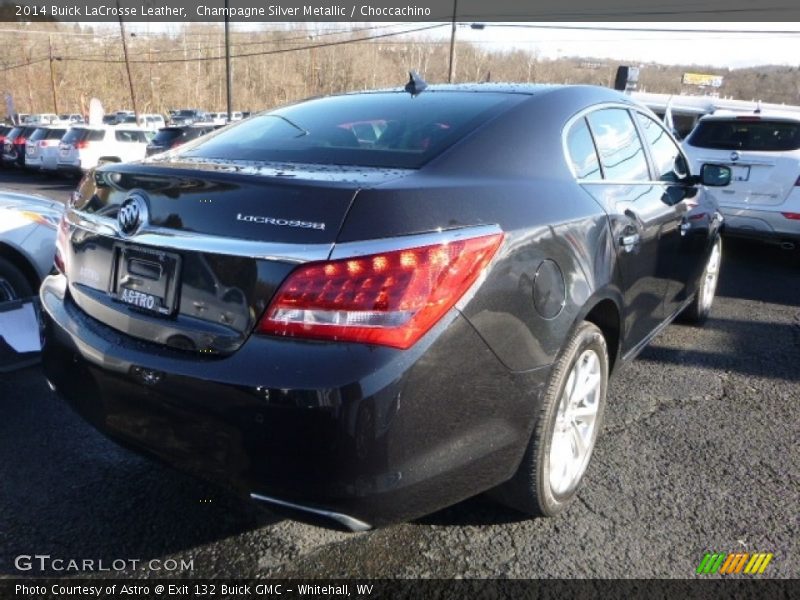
<point x="699" y="453"/>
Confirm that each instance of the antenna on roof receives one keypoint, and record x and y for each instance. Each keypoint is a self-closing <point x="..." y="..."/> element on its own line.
<point x="416" y="84"/>
<point x="758" y="108"/>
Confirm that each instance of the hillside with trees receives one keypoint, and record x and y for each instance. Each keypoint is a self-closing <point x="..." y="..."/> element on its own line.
<point x="185" y="67"/>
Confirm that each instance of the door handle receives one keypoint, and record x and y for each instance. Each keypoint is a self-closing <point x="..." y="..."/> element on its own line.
<point x="628" y="242"/>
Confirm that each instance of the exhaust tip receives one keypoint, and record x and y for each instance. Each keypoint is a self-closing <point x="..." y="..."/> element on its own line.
<point x="339" y="519"/>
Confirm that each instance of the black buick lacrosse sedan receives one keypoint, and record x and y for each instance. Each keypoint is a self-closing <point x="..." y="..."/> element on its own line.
<point x="367" y="307"/>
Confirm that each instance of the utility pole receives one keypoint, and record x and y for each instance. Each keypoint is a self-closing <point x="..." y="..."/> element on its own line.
<point x="127" y="62"/>
<point x="228" y="63"/>
<point x="452" y="69"/>
<point x="53" y="75"/>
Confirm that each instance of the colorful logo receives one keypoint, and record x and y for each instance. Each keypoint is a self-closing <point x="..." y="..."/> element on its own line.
<point x="732" y="564"/>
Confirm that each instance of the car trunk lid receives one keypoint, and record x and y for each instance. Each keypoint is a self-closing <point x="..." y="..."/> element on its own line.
<point x="216" y="240"/>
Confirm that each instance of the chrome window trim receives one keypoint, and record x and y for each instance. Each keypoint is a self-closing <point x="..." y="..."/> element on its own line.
<point x="629" y="107"/>
<point x="403" y="242"/>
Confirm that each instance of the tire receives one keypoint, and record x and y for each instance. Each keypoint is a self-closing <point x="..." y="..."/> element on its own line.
<point x="700" y="308"/>
<point x="547" y="479"/>
<point x="13" y="283"/>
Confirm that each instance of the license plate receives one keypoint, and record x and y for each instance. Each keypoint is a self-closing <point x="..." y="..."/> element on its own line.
<point x="63" y="151"/>
<point x="146" y="279"/>
<point x="740" y="173"/>
<point x="141" y="300"/>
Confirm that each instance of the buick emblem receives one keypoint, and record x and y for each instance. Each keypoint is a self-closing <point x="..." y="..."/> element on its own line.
<point x="734" y="156"/>
<point x="132" y="214"/>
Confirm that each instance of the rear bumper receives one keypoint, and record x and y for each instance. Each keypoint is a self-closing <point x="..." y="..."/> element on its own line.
<point x="376" y="434"/>
<point x="765" y="225"/>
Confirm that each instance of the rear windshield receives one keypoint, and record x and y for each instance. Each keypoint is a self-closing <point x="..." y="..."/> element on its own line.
<point x="736" y="134"/>
<point x="39" y="134"/>
<point x="377" y="129"/>
<point x="13" y="133"/>
<point x="167" y="135"/>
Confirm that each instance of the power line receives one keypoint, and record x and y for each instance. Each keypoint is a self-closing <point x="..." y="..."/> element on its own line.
<point x="262" y="53"/>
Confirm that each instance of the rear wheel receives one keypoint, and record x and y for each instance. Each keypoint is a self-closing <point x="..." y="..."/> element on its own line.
<point x="697" y="312"/>
<point x="561" y="446"/>
<point x="13" y="284"/>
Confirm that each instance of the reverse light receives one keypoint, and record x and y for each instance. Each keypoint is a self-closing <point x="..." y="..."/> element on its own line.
<point x="389" y="299"/>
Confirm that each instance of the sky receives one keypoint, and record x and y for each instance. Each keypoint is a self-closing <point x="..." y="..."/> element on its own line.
<point x="680" y="45"/>
<point x="734" y="50"/>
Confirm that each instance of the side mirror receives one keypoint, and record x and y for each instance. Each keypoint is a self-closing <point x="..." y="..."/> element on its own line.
<point x="715" y="175"/>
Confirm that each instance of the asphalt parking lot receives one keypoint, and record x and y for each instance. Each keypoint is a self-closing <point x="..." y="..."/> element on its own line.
<point x="698" y="454"/>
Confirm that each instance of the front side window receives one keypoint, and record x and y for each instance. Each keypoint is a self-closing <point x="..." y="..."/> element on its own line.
<point x="619" y="146"/>
<point x="669" y="162"/>
<point x="582" y="153"/>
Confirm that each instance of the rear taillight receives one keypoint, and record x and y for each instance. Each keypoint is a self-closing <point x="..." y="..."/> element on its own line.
<point x="389" y="299"/>
<point x="20" y="140"/>
<point x="81" y="145"/>
<point x="175" y="144"/>
<point x="792" y="215"/>
<point x="61" y="245"/>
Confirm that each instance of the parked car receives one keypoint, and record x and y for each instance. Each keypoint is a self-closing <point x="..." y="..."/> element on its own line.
<point x="70" y="119"/>
<point x="27" y="242"/>
<point x="188" y="116"/>
<point x="41" y="119"/>
<point x="110" y="119"/>
<point x="42" y="140"/>
<point x="217" y="118"/>
<point x="83" y="147"/>
<point x="172" y="137"/>
<point x="763" y="151"/>
<point x="429" y="316"/>
<point x="4" y="129"/>
<point x="14" y="145"/>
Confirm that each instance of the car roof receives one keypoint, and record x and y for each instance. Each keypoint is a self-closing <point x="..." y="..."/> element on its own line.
<point x="489" y="87"/>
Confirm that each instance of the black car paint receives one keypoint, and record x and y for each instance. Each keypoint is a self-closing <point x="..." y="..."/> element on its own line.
<point x="374" y="432"/>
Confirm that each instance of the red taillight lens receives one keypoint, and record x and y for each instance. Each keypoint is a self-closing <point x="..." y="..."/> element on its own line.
<point x="81" y="145"/>
<point x="791" y="215"/>
<point x="61" y="245"/>
<point x="389" y="299"/>
<point x="20" y="140"/>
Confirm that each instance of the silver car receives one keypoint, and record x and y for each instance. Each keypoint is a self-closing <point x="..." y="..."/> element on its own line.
<point x="28" y="227"/>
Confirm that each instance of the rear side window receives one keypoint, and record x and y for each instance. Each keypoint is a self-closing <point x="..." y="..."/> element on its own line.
<point x="55" y="134"/>
<point x="741" y="134"/>
<point x="131" y="137"/>
<point x="167" y="135"/>
<point x="373" y="129"/>
<point x="582" y="153"/>
<point x="669" y="162"/>
<point x="619" y="146"/>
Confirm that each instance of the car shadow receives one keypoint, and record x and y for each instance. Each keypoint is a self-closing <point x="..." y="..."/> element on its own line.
<point x="70" y="493"/>
<point x="761" y="272"/>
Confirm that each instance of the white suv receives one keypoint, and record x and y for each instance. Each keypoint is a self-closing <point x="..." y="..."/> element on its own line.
<point x="763" y="151"/>
<point x="83" y="147"/>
